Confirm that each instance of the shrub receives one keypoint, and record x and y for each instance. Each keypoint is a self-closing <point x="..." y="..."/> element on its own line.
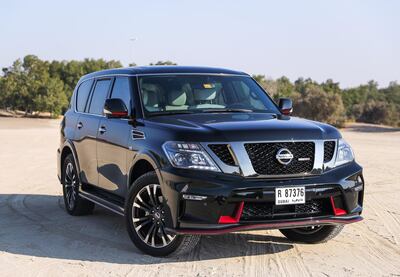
<point x="318" y="105"/>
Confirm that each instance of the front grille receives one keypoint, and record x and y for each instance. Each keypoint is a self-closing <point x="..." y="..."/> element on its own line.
<point x="223" y="153"/>
<point x="329" y="150"/>
<point x="263" y="210"/>
<point x="264" y="161"/>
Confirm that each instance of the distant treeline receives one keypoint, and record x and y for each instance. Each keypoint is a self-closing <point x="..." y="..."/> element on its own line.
<point x="329" y="103"/>
<point x="33" y="85"/>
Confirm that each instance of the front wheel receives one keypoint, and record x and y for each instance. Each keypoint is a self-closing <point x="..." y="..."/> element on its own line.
<point x="146" y="216"/>
<point x="313" y="234"/>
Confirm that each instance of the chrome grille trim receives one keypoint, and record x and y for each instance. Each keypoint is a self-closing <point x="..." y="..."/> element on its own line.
<point x="246" y="169"/>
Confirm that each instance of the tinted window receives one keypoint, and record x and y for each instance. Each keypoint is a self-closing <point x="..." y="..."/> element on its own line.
<point x="202" y="93"/>
<point x="82" y="95"/>
<point x="99" y="96"/>
<point x="122" y="91"/>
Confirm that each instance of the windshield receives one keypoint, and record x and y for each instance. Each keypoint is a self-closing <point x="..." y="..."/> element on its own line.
<point x="202" y="93"/>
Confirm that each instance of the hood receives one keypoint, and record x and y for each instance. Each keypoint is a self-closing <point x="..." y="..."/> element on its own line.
<point x="238" y="127"/>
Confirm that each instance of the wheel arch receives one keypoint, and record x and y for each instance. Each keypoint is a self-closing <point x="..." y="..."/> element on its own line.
<point x="67" y="149"/>
<point x="143" y="163"/>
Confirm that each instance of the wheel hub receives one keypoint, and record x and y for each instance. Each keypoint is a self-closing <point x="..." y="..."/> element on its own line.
<point x="157" y="215"/>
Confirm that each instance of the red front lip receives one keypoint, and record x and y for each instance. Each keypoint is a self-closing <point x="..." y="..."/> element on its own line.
<point x="275" y="225"/>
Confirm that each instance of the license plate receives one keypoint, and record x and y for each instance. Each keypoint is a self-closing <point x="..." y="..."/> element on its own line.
<point x="288" y="196"/>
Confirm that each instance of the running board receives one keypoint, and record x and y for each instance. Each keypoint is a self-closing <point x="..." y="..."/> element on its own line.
<point x="102" y="202"/>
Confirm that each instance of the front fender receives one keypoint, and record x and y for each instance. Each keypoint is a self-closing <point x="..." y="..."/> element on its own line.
<point x="148" y="157"/>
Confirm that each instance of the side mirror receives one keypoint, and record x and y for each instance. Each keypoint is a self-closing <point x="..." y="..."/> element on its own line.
<point x="115" y="108"/>
<point x="285" y="106"/>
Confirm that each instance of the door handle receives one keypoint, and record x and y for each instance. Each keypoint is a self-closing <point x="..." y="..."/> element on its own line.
<point x="79" y="125"/>
<point x="102" y="130"/>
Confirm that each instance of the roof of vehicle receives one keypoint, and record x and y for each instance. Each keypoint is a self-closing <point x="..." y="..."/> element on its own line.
<point x="158" y="69"/>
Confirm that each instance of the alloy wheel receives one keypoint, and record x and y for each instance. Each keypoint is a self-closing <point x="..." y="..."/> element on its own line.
<point x="70" y="184"/>
<point x="149" y="216"/>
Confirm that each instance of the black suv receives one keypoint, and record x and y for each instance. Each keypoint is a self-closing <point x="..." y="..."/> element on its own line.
<point x="186" y="151"/>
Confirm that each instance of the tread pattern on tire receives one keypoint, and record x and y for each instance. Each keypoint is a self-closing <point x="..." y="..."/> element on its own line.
<point x="189" y="242"/>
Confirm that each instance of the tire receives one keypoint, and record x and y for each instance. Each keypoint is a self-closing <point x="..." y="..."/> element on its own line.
<point x="74" y="204"/>
<point x="319" y="234"/>
<point x="146" y="224"/>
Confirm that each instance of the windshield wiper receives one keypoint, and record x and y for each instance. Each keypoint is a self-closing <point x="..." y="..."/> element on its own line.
<point x="227" y="111"/>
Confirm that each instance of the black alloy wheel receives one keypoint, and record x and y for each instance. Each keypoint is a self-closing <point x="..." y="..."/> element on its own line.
<point x="74" y="204"/>
<point x="147" y="218"/>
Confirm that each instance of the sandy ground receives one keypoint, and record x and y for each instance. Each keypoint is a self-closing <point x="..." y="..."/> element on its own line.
<point x="38" y="238"/>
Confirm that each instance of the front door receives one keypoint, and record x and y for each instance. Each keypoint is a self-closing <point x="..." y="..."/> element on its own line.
<point x="87" y="131"/>
<point x="112" y="143"/>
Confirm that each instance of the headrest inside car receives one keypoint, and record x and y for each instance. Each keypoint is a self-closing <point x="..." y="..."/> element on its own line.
<point x="204" y="94"/>
<point x="177" y="98"/>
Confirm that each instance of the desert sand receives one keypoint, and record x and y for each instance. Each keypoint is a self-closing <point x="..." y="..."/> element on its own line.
<point x="38" y="238"/>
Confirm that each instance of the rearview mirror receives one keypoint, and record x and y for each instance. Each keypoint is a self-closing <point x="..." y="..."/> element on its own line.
<point x="115" y="108"/>
<point x="285" y="106"/>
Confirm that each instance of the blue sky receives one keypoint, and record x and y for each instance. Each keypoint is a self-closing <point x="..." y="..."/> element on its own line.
<point x="349" y="41"/>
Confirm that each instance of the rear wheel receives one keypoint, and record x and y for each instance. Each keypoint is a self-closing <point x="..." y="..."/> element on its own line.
<point x="313" y="234"/>
<point x="74" y="204"/>
<point x="146" y="217"/>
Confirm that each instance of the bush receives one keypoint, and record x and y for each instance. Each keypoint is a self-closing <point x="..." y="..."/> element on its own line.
<point x="380" y="112"/>
<point x="318" y="105"/>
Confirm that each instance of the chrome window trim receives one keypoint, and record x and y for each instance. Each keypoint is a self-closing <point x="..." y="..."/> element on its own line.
<point x="245" y="167"/>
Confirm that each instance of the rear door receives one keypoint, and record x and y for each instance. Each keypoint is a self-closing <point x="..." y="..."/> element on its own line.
<point x="112" y="146"/>
<point x="86" y="131"/>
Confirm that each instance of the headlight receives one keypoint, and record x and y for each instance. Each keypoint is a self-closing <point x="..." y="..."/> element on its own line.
<point x="188" y="155"/>
<point x="344" y="153"/>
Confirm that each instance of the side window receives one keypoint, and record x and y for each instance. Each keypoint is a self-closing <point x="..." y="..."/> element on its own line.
<point x="82" y="95"/>
<point x="99" y="96"/>
<point x="122" y="91"/>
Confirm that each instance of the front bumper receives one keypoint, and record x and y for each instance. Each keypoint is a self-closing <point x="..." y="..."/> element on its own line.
<point x="250" y="202"/>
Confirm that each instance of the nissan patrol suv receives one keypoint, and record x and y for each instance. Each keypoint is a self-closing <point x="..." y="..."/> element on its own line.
<point x="185" y="151"/>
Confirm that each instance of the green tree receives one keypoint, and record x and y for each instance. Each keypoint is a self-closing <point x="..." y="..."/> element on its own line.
<point x="284" y="87"/>
<point x="27" y="86"/>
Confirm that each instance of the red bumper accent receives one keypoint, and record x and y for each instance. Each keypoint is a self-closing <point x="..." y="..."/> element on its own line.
<point x="226" y="219"/>
<point x="275" y="225"/>
<point x="337" y="211"/>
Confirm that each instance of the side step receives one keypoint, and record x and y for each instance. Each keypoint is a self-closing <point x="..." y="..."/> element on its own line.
<point x="110" y="204"/>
